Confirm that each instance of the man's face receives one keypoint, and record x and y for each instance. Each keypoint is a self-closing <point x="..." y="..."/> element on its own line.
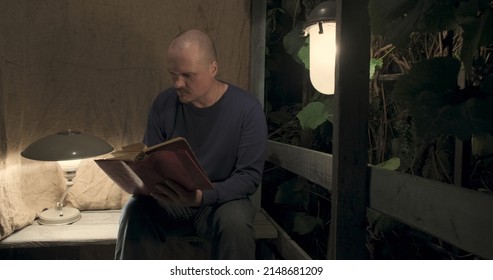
<point x="192" y="75"/>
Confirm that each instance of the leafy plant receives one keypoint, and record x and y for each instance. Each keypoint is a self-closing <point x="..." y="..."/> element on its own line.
<point x="439" y="107"/>
<point x="431" y="82"/>
<point x="437" y="81"/>
<point x="438" y="102"/>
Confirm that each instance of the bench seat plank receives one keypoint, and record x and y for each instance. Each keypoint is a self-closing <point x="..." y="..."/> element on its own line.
<point x="95" y="228"/>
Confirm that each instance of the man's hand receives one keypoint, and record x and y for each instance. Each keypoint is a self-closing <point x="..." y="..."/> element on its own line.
<point x="173" y="194"/>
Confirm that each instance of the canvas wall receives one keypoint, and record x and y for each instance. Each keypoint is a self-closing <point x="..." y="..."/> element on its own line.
<point x="94" y="66"/>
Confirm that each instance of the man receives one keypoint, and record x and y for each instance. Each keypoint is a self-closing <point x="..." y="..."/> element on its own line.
<point x="226" y="128"/>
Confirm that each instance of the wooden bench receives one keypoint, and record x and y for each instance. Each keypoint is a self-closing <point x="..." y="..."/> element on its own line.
<point x="94" y="237"/>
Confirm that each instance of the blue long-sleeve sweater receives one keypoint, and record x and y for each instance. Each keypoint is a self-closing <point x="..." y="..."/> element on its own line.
<point x="229" y="139"/>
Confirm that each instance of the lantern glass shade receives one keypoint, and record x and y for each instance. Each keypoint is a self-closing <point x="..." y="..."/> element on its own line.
<point x="322" y="56"/>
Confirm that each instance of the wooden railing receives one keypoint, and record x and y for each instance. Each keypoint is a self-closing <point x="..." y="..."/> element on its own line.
<point x="459" y="216"/>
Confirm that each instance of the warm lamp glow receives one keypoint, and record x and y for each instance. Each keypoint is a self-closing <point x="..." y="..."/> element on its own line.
<point x="67" y="148"/>
<point x="322" y="56"/>
<point x="69" y="165"/>
<point x="321" y="27"/>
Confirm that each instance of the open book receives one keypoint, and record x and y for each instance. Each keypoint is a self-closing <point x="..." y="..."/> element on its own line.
<point x="137" y="168"/>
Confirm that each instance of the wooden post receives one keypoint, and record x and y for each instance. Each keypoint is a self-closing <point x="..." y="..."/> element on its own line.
<point x="257" y="70"/>
<point x="350" y="185"/>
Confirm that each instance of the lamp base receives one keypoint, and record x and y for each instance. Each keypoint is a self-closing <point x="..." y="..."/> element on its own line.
<point x="65" y="216"/>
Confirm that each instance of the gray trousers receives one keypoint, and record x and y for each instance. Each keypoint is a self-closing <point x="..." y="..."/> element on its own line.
<point x="145" y="226"/>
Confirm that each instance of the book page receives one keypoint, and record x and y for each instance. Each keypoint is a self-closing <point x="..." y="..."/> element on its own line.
<point x="122" y="175"/>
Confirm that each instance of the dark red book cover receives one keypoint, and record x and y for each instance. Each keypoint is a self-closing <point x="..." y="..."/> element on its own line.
<point x="172" y="160"/>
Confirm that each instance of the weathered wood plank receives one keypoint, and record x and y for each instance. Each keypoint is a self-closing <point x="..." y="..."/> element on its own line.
<point x="257" y="65"/>
<point x="97" y="227"/>
<point x="459" y="216"/>
<point x="312" y="165"/>
<point x="286" y="246"/>
<point x="350" y="149"/>
<point x="263" y="227"/>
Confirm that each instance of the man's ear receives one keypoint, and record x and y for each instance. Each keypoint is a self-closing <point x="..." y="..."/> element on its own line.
<point x="213" y="68"/>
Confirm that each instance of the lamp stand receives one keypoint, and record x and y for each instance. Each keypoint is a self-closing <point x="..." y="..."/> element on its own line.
<point x="61" y="215"/>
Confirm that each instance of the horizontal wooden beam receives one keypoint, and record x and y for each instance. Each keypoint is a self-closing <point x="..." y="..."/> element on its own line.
<point x="312" y="165"/>
<point x="459" y="216"/>
<point x="286" y="246"/>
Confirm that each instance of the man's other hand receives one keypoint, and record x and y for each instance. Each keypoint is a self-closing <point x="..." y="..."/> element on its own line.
<point x="173" y="194"/>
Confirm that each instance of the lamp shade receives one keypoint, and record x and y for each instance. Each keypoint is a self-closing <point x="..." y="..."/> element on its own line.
<point x="322" y="57"/>
<point x="66" y="145"/>
<point x="321" y="28"/>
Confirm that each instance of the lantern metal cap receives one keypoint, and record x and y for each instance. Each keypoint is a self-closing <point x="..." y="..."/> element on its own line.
<point x="323" y="12"/>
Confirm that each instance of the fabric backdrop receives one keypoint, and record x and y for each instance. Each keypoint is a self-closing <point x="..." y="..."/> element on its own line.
<point x="93" y="66"/>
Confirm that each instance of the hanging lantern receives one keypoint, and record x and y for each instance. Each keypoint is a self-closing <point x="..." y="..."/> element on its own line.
<point x="321" y="27"/>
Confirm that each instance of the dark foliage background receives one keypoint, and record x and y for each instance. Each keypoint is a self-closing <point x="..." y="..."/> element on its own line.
<point x="431" y="87"/>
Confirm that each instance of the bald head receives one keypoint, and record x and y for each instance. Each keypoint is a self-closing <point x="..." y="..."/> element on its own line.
<point x="193" y="68"/>
<point x="196" y="40"/>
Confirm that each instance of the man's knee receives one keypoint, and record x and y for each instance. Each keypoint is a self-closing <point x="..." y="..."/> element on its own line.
<point x="235" y="217"/>
<point x="136" y="209"/>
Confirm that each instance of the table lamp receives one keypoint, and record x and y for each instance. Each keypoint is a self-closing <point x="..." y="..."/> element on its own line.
<point x="68" y="148"/>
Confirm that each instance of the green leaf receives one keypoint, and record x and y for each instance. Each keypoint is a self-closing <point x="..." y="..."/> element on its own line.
<point x="304" y="53"/>
<point x="292" y="192"/>
<point x="292" y="7"/>
<point x="302" y="223"/>
<point x="428" y="78"/>
<point x="328" y="101"/>
<point x="439" y="16"/>
<point x="427" y="90"/>
<point x="375" y="63"/>
<point x="436" y="104"/>
<point x="391" y="164"/>
<point x="312" y="115"/>
<point x="396" y="20"/>
<point x="293" y="42"/>
<point x="380" y="223"/>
